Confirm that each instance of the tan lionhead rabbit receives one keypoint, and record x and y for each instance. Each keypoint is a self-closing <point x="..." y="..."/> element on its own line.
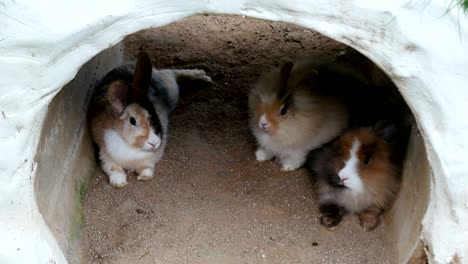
<point x="293" y="110"/>
<point x="128" y="116"/>
<point x="359" y="173"/>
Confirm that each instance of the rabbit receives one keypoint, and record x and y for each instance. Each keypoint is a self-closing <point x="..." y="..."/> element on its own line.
<point x="359" y="173"/>
<point x="295" y="109"/>
<point x="129" y="115"/>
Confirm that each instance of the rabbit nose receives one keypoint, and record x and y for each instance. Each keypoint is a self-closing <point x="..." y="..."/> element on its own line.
<point x="263" y="122"/>
<point x="153" y="145"/>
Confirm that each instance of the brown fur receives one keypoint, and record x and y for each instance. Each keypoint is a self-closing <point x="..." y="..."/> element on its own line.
<point x="109" y="111"/>
<point x="312" y="117"/>
<point x="142" y="120"/>
<point x="380" y="177"/>
<point x="142" y="93"/>
<point x="271" y="110"/>
<point x="104" y="117"/>
<point x="369" y="219"/>
<point x="282" y="87"/>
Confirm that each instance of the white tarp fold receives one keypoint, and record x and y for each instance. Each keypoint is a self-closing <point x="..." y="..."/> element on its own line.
<point x="420" y="44"/>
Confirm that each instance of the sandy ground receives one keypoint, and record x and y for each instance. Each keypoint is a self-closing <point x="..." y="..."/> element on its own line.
<point x="210" y="201"/>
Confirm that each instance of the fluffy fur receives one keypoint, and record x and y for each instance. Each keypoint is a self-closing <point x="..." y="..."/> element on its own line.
<point x="129" y="117"/>
<point x="359" y="173"/>
<point x="294" y="109"/>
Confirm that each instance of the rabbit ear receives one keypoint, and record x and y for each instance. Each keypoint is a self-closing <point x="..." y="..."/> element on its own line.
<point x="142" y="77"/>
<point x="386" y="130"/>
<point x="117" y="95"/>
<point x="285" y="71"/>
<point x="310" y="77"/>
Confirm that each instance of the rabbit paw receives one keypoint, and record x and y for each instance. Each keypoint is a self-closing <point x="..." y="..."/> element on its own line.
<point x="330" y="214"/>
<point x="330" y="221"/>
<point x="292" y="162"/>
<point x="369" y="221"/>
<point x="146" y="175"/>
<point x="118" y="179"/>
<point x="262" y="155"/>
<point x="289" y="167"/>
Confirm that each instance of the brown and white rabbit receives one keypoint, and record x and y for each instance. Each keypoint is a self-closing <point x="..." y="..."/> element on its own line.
<point x="359" y="173"/>
<point x="129" y="116"/>
<point x="293" y="110"/>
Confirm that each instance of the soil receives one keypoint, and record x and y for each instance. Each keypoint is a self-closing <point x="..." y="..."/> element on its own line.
<point x="210" y="200"/>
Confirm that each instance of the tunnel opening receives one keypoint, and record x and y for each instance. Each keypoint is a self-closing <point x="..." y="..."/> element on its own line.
<point x="210" y="201"/>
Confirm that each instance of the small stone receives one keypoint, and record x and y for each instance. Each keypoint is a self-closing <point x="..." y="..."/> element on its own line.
<point x="314" y="244"/>
<point x="140" y="211"/>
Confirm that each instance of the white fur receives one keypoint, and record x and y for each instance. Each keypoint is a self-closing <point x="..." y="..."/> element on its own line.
<point x="153" y="142"/>
<point x="117" y="176"/>
<point x="292" y="159"/>
<point x="118" y="179"/>
<point x="291" y="145"/>
<point x="117" y="154"/>
<point x="355" y="197"/>
<point x="146" y="174"/>
<point x="119" y="150"/>
<point x="304" y="131"/>
<point x="263" y="155"/>
<point x="349" y="174"/>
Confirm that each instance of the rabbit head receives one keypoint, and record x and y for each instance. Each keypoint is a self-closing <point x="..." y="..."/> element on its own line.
<point x="135" y="119"/>
<point x="282" y="95"/>
<point x="363" y="160"/>
<point x="270" y="100"/>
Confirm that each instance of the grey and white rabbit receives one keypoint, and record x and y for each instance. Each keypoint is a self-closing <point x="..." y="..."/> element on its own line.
<point x="298" y="107"/>
<point x="359" y="173"/>
<point x="129" y="117"/>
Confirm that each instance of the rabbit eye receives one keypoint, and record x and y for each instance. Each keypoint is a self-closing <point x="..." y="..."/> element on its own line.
<point x="283" y="110"/>
<point x="132" y="121"/>
<point x="367" y="159"/>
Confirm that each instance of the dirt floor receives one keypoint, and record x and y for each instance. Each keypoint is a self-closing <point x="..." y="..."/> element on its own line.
<point x="210" y="201"/>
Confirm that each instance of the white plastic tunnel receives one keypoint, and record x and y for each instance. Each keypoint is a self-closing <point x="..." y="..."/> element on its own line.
<point x="46" y="155"/>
